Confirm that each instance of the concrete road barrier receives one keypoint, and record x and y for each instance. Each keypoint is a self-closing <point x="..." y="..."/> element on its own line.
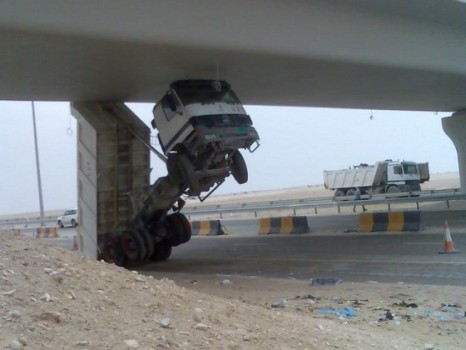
<point x="46" y="232"/>
<point x="283" y="225"/>
<point x="207" y="228"/>
<point x="390" y="221"/>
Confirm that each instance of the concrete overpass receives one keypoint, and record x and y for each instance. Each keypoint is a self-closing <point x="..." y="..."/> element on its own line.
<point x="400" y="55"/>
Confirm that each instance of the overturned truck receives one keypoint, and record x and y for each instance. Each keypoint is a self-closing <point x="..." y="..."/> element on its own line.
<point x="201" y="126"/>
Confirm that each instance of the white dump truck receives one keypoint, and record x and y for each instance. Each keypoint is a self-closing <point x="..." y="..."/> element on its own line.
<point x="383" y="177"/>
<point x="202" y="125"/>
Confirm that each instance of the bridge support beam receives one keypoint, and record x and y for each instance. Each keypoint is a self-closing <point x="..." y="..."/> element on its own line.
<point x="455" y="128"/>
<point x="113" y="170"/>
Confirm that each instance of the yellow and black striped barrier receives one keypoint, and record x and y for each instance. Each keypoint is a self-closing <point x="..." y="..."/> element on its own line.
<point x="283" y="225"/>
<point x="46" y="232"/>
<point x="390" y="221"/>
<point x="207" y="228"/>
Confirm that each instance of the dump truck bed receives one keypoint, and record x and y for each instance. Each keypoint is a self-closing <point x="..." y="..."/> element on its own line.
<point x="349" y="178"/>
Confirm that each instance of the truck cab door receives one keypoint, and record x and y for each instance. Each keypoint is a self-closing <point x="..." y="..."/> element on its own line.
<point x="170" y="119"/>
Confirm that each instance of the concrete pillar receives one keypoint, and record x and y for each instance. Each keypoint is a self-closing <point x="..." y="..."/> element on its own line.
<point x="113" y="170"/>
<point x="455" y="128"/>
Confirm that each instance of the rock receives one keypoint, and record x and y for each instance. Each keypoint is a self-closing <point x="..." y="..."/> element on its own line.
<point x="15" y="344"/>
<point x="165" y="322"/>
<point x="70" y="295"/>
<point x="14" y="315"/>
<point x="46" y="297"/>
<point x="131" y="344"/>
<point x="226" y="282"/>
<point x="9" y="292"/>
<point x="389" y="315"/>
<point x="201" y="327"/>
<point x="54" y="317"/>
<point x="280" y="304"/>
<point x="197" y="314"/>
<point x="82" y="343"/>
<point x="429" y="347"/>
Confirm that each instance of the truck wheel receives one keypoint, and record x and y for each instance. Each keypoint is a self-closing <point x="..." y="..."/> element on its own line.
<point x="133" y="245"/>
<point x="238" y="167"/>
<point x="393" y="189"/>
<point x="350" y="192"/>
<point x="339" y="193"/>
<point x="162" y="251"/>
<point x="148" y="241"/>
<point x="112" y="251"/>
<point x="179" y="229"/>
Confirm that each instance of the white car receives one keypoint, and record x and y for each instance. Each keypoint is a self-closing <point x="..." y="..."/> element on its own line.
<point x="69" y="218"/>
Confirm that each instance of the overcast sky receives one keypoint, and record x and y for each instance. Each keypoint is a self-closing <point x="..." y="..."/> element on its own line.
<point x="297" y="144"/>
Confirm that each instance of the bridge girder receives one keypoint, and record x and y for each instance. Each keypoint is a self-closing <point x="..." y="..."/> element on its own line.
<point x="354" y="54"/>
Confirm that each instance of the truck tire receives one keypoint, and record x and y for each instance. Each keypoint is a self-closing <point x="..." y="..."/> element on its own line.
<point x="133" y="245"/>
<point x="179" y="229"/>
<point x="339" y="193"/>
<point x="393" y="190"/>
<point x="238" y="168"/>
<point x="112" y="251"/>
<point x="162" y="251"/>
<point x="350" y="192"/>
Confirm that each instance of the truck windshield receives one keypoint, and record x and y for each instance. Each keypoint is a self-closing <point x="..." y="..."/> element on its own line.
<point x="205" y="93"/>
<point x="410" y="169"/>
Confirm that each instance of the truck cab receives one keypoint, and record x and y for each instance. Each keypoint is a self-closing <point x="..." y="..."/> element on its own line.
<point x="402" y="177"/>
<point x="202" y="125"/>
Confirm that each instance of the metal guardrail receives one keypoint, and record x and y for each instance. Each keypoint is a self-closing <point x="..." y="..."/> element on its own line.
<point x="446" y="195"/>
<point x="29" y="222"/>
<point x="316" y="203"/>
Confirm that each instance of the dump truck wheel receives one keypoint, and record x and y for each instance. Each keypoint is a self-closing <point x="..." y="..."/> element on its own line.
<point x="339" y="193"/>
<point x="112" y="251"/>
<point x="393" y="189"/>
<point x="179" y="228"/>
<point x="187" y="227"/>
<point x="149" y="241"/>
<point x="350" y="192"/>
<point x="133" y="245"/>
<point x="162" y="251"/>
<point x="238" y="168"/>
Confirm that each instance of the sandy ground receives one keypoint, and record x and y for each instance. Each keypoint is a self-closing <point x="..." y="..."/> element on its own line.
<point x="51" y="298"/>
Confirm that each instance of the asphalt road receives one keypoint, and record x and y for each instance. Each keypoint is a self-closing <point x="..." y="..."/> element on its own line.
<point x="409" y="258"/>
<point x="381" y="257"/>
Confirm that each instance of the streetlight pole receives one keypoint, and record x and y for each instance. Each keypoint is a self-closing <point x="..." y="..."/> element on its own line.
<point x="39" y="182"/>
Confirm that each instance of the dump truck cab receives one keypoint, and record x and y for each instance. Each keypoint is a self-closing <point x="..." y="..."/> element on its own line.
<point x="202" y="125"/>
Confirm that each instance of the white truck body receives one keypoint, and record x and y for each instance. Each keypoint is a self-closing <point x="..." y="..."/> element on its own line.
<point x="383" y="177"/>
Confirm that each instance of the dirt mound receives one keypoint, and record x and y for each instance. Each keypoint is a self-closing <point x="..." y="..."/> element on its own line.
<point x="51" y="298"/>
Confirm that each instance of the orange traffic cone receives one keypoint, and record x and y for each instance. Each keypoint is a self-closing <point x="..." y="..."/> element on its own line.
<point x="448" y="243"/>
<point x="75" y="244"/>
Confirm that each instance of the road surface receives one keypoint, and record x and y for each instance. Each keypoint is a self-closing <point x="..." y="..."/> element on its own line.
<point x="409" y="258"/>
